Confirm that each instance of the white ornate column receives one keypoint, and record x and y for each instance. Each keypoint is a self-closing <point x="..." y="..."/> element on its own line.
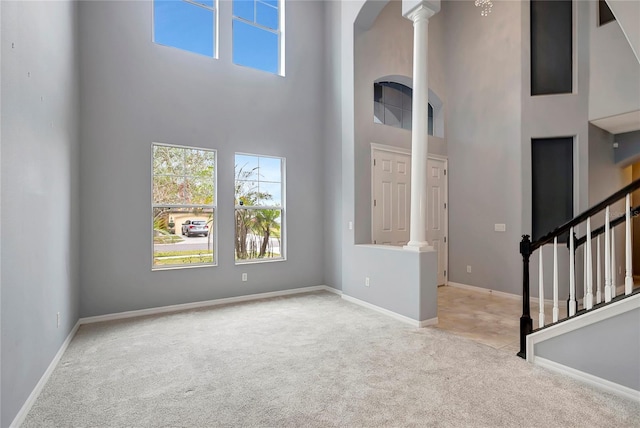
<point x="419" y="12"/>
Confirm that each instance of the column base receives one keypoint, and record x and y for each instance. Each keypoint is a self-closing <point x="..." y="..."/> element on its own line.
<point x="418" y="246"/>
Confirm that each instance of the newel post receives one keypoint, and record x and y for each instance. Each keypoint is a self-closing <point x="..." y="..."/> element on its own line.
<point x="526" y="323"/>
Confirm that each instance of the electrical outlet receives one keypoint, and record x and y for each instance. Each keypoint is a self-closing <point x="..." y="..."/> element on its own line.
<point x="58" y="320"/>
<point x="244" y="277"/>
<point x="350" y="225"/>
<point x="366" y="281"/>
<point x="468" y="269"/>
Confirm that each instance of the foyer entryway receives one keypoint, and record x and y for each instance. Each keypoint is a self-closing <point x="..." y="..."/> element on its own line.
<point x="391" y="201"/>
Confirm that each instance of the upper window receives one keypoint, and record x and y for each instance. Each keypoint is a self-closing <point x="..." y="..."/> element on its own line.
<point x="189" y="25"/>
<point x="392" y="105"/>
<point x="259" y="212"/>
<point x="257" y="34"/>
<point x="183" y="206"/>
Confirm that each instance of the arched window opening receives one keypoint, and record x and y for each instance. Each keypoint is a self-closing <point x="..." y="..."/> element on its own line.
<point x="392" y="105"/>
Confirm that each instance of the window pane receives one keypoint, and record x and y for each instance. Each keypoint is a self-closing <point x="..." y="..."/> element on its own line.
<point x="392" y="116"/>
<point x="246" y="167"/>
<point x="271" y="169"/>
<point x="270" y="194"/>
<point x="378" y="112"/>
<point x="176" y="243"/>
<point x="273" y="3"/>
<point x="406" y="120"/>
<point x="244" y="9"/>
<point x="184" y="26"/>
<point x="258" y="234"/>
<point x="208" y="3"/>
<point x="168" y="189"/>
<point x="377" y="93"/>
<point x="392" y="96"/>
<point x="407" y="99"/>
<point x="267" y="15"/>
<point x="254" y="47"/>
<point x="198" y="191"/>
<point x="199" y="162"/>
<point x="168" y="160"/>
<point x="247" y="193"/>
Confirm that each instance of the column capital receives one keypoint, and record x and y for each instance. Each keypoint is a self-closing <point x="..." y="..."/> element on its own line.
<point x="420" y="9"/>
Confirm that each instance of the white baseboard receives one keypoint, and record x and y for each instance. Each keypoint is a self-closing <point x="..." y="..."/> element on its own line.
<point x="332" y="290"/>
<point x="203" y="304"/>
<point x="495" y="292"/>
<point x="589" y="379"/>
<point x="397" y="316"/>
<point x="22" y="414"/>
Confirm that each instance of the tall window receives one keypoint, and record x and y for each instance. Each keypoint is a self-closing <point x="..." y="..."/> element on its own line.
<point x="183" y="206"/>
<point x="189" y="25"/>
<point x="258" y="34"/>
<point x="259" y="212"/>
<point x="392" y="104"/>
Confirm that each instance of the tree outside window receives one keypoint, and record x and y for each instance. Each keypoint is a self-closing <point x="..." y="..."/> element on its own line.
<point x="259" y="208"/>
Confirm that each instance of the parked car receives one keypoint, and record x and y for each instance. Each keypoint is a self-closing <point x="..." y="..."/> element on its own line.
<point x="195" y="227"/>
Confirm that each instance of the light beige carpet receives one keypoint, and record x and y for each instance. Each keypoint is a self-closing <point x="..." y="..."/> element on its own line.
<point x="311" y="360"/>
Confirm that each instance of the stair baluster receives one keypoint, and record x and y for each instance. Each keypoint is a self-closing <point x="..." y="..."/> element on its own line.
<point x="555" y="279"/>
<point x="588" y="297"/>
<point x="607" y="256"/>
<point x="628" y="279"/>
<point x="614" y="270"/>
<point x="540" y="290"/>
<point x="598" y="272"/>
<point x="572" y="274"/>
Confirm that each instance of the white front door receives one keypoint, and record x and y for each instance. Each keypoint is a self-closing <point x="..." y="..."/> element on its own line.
<point x="391" y="196"/>
<point x="391" y="202"/>
<point x="437" y="213"/>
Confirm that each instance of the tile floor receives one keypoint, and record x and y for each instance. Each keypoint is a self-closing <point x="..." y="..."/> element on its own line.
<point x="484" y="317"/>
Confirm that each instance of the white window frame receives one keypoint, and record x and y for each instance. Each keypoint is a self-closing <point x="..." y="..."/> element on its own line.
<point x="280" y="32"/>
<point x="213" y="207"/>
<point x="283" y="234"/>
<point x="216" y="24"/>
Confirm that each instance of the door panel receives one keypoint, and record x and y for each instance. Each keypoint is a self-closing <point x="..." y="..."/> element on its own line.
<point x="436" y="214"/>
<point x="391" y="196"/>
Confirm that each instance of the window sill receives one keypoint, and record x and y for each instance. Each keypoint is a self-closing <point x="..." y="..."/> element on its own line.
<point x="256" y="261"/>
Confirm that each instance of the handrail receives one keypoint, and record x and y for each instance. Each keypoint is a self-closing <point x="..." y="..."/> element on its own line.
<point x="634" y="185"/>
<point x="599" y="231"/>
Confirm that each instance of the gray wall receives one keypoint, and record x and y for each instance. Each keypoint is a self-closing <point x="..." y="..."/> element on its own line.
<point x="134" y="92"/>
<point x="404" y="282"/>
<point x="609" y="349"/>
<point x="483" y="129"/>
<point x="39" y="196"/>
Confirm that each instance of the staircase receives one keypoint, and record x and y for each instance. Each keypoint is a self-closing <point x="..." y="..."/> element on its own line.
<point x="594" y="302"/>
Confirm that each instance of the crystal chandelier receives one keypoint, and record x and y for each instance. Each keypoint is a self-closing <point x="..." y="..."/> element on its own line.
<point x="485" y="6"/>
